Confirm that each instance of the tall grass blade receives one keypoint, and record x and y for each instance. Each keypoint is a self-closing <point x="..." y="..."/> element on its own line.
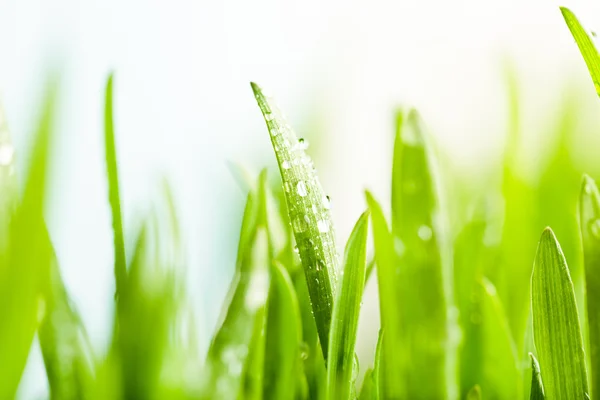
<point x="367" y="391"/>
<point x="537" y="388"/>
<point x="556" y="323"/>
<point x="377" y="366"/>
<point x="308" y="208"/>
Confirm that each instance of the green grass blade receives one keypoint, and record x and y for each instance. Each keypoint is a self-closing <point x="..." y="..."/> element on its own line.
<point x="284" y="337"/>
<point x="589" y="209"/>
<point x="424" y="273"/>
<point x="367" y="391"/>
<point x="113" y="187"/>
<point x="586" y="46"/>
<point x="537" y="388"/>
<point x="345" y="313"/>
<point x="308" y="208"/>
<point x="389" y="303"/>
<point x="556" y="323"/>
<point x="474" y="393"/>
<point x="377" y="367"/>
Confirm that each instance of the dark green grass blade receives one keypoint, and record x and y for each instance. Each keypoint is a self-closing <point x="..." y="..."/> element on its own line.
<point x="586" y="46"/>
<point x="113" y="187"/>
<point x="64" y="343"/>
<point x="308" y="209"/>
<point x="389" y="303"/>
<point x="284" y="337"/>
<point x="424" y="280"/>
<point x="25" y="269"/>
<point x="345" y="313"/>
<point x="537" y="388"/>
<point x="589" y="209"/>
<point x="556" y="324"/>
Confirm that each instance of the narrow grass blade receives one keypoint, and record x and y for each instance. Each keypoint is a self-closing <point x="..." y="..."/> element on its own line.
<point x="537" y="388"/>
<point x="345" y="313"/>
<point x="424" y="279"/>
<point x="113" y="187"/>
<point x="308" y="208"/>
<point x="589" y="209"/>
<point x="389" y="303"/>
<point x="556" y="324"/>
<point x="367" y="391"/>
<point x="474" y="393"/>
<point x="586" y="46"/>
<point x="284" y="337"/>
<point x="377" y="367"/>
<point x="25" y="268"/>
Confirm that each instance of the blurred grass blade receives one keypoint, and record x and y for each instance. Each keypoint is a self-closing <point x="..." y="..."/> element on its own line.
<point x="474" y="393"/>
<point x="556" y="324"/>
<point x="113" y="187"/>
<point x="8" y="193"/>
<point x="586" y="46"/>
<point x="284" y="336"/>
<point x="345" y="313"/>
<point x="25" y="269"/>
<point x="367" y="391"/>
<point x="537" y="388"/>
<point x="308" y="208"/>
<point x="424" y="280"/>
<point x="64" y="344"/>
<point x="377" y="366"/>
<point x="389" y="303"/>
<point x="589" y="209"/>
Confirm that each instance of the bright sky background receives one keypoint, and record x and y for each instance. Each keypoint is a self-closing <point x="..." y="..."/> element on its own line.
<point x="184" y="106"/>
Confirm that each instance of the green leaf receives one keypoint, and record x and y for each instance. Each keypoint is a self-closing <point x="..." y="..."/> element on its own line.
<point x="308" y="208"/>
<point x="556" y="323"/>
<point x="345" y="313"/>
<point x="537" y="388"/>
<point x="377" y="367"/>
<point x="284" y="337"/>
<point x="474" y="393"/>
<point x="113" y="188"/>
<point x="586" y="46"/>
<point x="589" y="209"/>
<point x="367" y="391"/>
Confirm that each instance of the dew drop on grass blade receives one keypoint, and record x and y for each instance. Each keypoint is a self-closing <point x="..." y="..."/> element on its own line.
<point x="537" y="388"/>
<point x="344" y="325"/>
<point x="586" y="46"/>
<point x="308" y="209"/>
<point x="556" y="329"/>
<point x="589" y="209"/>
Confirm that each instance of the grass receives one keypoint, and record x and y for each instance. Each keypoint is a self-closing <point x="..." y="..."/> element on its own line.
<point x="462" y="315"/>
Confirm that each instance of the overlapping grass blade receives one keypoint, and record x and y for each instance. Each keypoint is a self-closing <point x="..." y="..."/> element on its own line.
<point x="25" y="267"/>
<point x="589" y="209"/>
<point x="586" y="46"/>
<point x="537" y="388"/>
<point x="308" y="209"/>
<point x="345" y="314"/>
<point x="556" y="323"/>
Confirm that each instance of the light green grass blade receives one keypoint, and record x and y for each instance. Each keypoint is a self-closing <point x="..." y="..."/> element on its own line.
<point x="556" y="324"/>
<point x="389" y="303"/>
<point x="345" y="313"/>
<point x="113" y="187"/>
<point x="367" y="391"/>
<point x="284" y="337"/>
<point x="586" y="46"/>
<point x="537" y="388"/>
<point x="25" y="268"/>
<point x="308" y="209"/>
<point x="474" y="393"/>
<point x="377" y="370"/>
<point x="424" y="273"/>
<point x="589" y="209"/>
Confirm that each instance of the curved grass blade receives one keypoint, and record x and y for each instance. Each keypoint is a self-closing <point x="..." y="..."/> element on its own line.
<point x="284" y="336"/>
<point x="589" y="209"/>
<point x="424" y="275"/>
<point x="345" y="313"/>
<point x="113" y="188"/>
<point x="537" y="388"/>
<point x="586" y="46"/>
<point x="556" y="323"/>
<point x="308" y="208"/>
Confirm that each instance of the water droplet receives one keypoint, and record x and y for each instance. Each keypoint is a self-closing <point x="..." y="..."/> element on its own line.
<point x="593" y="33"/>
<point x="287" y="187"/>
<point x="7" y="153"/>
<point x="326" y="202"/>
<point x="319" y="266"/>
<point x="296" y="250"/>
<point x="269" y="117"/>
<point x="314" y="209"/>
<point x="301" y="188"/>
<point x="323" y="226"/>
<point x="595" y="228"/>
<point x="588" y="189"/>
<point x="317" y="281"/>
<point x="285" y="164"/>
<point x="355" y="368"/>
<point x="425" y="232"/>
<point x="299" y="224"/>
<point x="304" y="351"/>
<point x="399" y="247"/>
<point x="302" y="144"/>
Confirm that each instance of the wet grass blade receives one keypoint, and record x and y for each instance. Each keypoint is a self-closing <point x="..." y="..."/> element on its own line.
<point x="537" y="388"/>
<point x="589" y="209"/>
<point x="345" y="313"/>
<point x="556" y="330"/>
<point x="308" y="209"/>
<point x="113" y="187"/>
<point x="586" y="46"/>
